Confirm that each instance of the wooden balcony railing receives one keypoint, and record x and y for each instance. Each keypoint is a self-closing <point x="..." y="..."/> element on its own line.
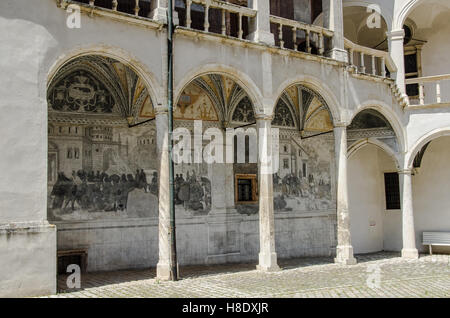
<point x="369" y="61"/>
<point x="305" y="37"/>
<point x="430" y="89"/>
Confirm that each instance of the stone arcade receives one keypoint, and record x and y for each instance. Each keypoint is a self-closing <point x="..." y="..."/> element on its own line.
<point x="363" y="116"/>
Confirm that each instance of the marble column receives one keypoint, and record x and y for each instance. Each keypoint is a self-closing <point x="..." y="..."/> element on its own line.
<point x="267" y="254"/>
<point x="396" y="50"/>
<point x="333" y="20"/>
<point x="260" y="25"/>
<point x="344" y="249"/>
<point x="162" y="136"/>
<point x="408" y="232"/>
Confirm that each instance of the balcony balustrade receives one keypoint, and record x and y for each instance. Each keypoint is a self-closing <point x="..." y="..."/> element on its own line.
<point x="305" y="37"/>
<point x="433" y="90"/>
<point x="369" y="61"/>
<point x="234" y="20"/>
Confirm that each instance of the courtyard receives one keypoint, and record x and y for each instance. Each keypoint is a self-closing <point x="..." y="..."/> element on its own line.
<point x="376" y="275"/>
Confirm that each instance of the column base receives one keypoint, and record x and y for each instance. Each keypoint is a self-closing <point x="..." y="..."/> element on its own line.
<point x="338" y="54"/>
<point x="410" y="253"/>
<point x="28" y="259"/>
<point x="262" y="37"/>
<point x="344" y="255"/>
<point x="268" y="263"/>
<point x="160" y="15"/>
<point x="163" y="271"/>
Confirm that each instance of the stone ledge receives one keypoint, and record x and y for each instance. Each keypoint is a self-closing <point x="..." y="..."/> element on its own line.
<point x="26" y="227"/>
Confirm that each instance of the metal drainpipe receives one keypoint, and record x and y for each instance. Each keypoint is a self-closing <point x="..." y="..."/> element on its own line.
<point x="173" y="246"/>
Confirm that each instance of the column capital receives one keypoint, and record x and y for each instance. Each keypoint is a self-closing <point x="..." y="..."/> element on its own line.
<point x="263" y="117"/>
<point x="405" y="171"/>
<point x="396" y="35"/>
<point x="161" y="110"/>
<point x="340" y="125"/>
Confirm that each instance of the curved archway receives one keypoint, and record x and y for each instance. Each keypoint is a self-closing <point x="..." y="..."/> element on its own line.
<point x="424" y="140"/>
<point x="353" y="149"/>
<point x="239" y="77"/>
<point x="319" y="87"/>
<point x="390" y="116"/>
<point x="308" y="111"/>
<point x="374" y="159"/>
<point x="400" y="18"/>
<point x="124" y="57"/>
<point x="92" y="101"/>
<point x="430" y="185"/>
<point x="94" y="84"/>
<point x="216" y="97"/>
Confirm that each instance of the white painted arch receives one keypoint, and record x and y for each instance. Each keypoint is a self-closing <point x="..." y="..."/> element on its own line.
<point x="353" y="149"/>
<point x="390" y="116"/>
<point x="422" y="141"/>
<point x="403" y="13"/>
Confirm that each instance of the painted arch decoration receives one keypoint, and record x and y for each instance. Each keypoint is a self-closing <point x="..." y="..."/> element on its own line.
<point x="98" y="167"/>
<point x="214" y="97"/>
<point x="97" y="85"/>
<point x="302" y="108"/>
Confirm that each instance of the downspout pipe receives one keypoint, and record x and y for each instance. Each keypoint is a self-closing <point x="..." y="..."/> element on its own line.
<point x="173" y="245"/>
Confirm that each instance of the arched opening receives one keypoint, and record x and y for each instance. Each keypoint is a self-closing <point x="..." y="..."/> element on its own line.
<point x="430" y="190"/>
<point x="359" y="31"/>
<point x="105" y="173"/>
<point x="209" y="180"/>
<point x="303" y="187"/>
<point x="373" y="184"/>
<point x="364" y="26"/>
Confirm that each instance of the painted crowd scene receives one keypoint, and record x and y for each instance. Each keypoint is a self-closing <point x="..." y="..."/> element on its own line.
<point x="96" y="192"/>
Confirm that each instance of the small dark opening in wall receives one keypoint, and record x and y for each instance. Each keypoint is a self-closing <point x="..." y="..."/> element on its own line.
<point x="392" y="189"/>
<point x="65" y="261"/>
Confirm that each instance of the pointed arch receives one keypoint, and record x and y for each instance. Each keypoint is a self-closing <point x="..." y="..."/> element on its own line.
<point x="373" y="141"/>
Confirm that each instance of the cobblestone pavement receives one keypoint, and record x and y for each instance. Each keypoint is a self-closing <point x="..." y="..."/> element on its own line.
<point x="306" y="277"/>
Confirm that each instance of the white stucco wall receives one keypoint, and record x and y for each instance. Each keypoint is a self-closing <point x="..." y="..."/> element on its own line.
<point x="28" y="248"/>
<point x="34" y="41"/>
<point x="371" y="227"/>
<point x="436" y="61"/>
<point x="431" y="191"/>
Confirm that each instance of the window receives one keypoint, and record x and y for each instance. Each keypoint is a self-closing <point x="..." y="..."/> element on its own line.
<point x="411" y="71"/>
<point x="246" y="188"/>
<point x="392" y="189"/>
<point x="413" y="61"/>
<point x="285" y="163"/>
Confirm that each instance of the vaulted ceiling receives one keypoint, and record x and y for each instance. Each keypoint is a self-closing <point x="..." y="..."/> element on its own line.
<point x="96" y="85"/>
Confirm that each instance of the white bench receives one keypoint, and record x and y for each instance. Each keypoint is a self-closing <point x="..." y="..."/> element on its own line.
<point x="436" y="238"/>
